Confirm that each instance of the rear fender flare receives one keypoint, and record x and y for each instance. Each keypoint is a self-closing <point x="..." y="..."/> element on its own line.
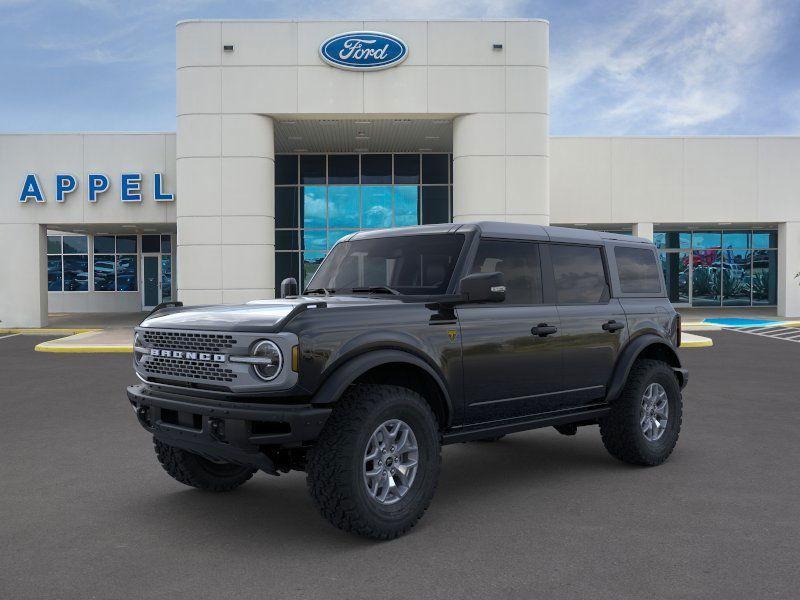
<point x="629" y="355"/>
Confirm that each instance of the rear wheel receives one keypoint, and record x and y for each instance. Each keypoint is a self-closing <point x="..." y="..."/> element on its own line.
<point x="645" y="421"/>
<point x="194" y="470"/>
<point x="375" y="466"/>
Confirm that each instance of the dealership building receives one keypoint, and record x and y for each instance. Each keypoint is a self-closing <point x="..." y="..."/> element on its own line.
<point x="293" y="134"/>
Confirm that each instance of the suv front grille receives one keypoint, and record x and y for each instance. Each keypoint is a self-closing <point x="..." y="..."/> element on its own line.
<point x="188" y="369"/>
<point x="193" y="342"/>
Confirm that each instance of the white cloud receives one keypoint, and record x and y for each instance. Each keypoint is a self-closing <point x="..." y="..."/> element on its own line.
<point x="669" y="69"/>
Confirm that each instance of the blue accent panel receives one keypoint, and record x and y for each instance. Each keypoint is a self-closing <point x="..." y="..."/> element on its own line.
<point x="98" y="183"/>
<point x="738" y="322"/>
<point x="158" y="194"/>
<point x="363" y="50"/>
<point x="130" y="189"/>
<point x="65" y="184"/>
<point x="31" y="190"/>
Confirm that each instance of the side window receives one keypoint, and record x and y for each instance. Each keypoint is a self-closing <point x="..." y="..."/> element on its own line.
<point x="638" y="271"/>
<point x="519" y="264"/>
<point x="579" y="274"/>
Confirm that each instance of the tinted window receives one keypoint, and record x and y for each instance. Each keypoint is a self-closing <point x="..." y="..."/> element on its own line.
<point x="414" y="264"/>
<point x="75" y="244"/>
<point x="343" y="168"/>
<point x="519" y="264"/>
<point x="638" y="272"/>
<point x="435" y="205"/>
<point x="285" y="169"/>
<point x="406" y="168"/>
<point x="579" y="274"/>
<point x="376" y="168"/>
<point x="312" y="168"/>
<point x="434" y="168"/>
<point x="150" y="243"/>
<point x="104" y="244"/>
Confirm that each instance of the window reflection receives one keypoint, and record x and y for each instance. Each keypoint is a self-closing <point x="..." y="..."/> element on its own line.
<point x="76" y="273"/>
<point x="742" y="273"/>
<point x="765" y="277"/>
<point x="377" y="206"/>
<point x="320" y="198"/>
<point x="736" y="278"/>
<point x="314" y="206"/>
<point x="343" y="206"/>
<point x="166" y="277"/>
<point x="406" y="205"/>
<point x="676" y="275"/>
<point x="706" y="277"/>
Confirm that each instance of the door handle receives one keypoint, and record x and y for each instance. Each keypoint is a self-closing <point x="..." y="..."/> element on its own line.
<point x="612" y="326"/>
<point x="543" y="330"/>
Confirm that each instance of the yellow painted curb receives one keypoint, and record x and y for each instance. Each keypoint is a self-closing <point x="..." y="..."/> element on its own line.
<point x="46" y="331"/>
<point x="695" y="341"/>
<point x="47" y="347"/>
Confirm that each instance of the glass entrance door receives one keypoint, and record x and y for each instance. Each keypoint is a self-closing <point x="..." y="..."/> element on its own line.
<point x="151" y="288"/>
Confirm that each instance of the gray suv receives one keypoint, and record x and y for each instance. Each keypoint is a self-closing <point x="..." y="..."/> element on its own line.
<point x="408" y="339"/>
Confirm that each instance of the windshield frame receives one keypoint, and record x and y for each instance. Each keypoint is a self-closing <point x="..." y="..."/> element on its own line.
<point x="452" y="285"/>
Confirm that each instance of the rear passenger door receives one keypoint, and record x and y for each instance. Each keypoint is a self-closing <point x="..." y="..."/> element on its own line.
<point x="510" y="371"/>
<point x="592" y="323"/>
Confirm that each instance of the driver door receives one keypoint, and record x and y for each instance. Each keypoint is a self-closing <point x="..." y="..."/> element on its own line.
<point x="512" y="358"/>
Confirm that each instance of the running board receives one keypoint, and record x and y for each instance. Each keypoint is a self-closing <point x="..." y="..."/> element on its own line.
<point x="546" y="420"/>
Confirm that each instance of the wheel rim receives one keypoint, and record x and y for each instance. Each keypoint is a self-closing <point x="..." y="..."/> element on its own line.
<point x="654" y="412"/>
<point x="390" y="461"/>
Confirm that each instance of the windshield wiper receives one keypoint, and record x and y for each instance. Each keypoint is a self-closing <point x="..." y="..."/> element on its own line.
<point x="322" y="290"/>
<point x="375" y="289"/>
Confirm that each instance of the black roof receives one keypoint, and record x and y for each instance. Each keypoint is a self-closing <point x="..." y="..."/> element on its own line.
<point x="507" y="230"/>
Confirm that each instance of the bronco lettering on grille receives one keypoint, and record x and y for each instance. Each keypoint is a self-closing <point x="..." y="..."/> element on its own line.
<point x="203" y="356"/>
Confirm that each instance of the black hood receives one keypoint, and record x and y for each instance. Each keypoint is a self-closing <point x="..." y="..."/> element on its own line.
<point x="258" y="315"/>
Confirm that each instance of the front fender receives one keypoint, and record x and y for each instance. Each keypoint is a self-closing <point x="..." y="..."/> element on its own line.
<point x="346" y="373"/>
<point x="632" y="351"/>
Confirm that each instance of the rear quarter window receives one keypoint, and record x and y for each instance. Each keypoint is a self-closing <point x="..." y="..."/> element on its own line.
<point x="638" y="270"/>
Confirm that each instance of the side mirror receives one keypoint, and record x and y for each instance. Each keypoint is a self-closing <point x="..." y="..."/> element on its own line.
<point x="483" y="287"/>
<point x="289" y="287"/>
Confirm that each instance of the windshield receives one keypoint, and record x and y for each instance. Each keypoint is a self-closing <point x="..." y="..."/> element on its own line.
<point x="411" y="264"/>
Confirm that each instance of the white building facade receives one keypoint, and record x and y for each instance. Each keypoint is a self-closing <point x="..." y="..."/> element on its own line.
<point x="283" y="147"/>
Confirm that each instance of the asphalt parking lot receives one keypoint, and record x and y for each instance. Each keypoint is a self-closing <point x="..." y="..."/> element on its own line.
<point x="87" y="511"/>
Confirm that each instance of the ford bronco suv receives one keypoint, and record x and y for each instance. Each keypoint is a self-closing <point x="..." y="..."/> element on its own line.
<point x="408" y="339"/>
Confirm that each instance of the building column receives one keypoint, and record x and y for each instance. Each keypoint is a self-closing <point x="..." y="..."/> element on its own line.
<point x="226" y="222"/>
<point x="23" y="271"/>
<point x="643" y="230"/>
<point x="788" y="266"/>
<point x="501" y="168"/>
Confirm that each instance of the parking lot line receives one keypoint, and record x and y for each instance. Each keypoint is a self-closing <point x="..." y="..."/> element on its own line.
<point x="2" y="337"/>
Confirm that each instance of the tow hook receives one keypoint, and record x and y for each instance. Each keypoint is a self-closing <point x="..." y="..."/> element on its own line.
<point x="143" y="414"/>
<point x="217" y="428"/>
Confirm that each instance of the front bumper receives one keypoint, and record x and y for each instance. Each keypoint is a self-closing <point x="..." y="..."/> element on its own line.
<point x="231" y="431"/>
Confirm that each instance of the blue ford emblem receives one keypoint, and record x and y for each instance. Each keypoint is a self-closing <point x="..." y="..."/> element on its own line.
<point x="363" y="50"/>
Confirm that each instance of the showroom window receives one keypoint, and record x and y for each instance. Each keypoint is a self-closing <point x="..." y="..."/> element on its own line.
<point x="67" y="263"/>
<point x="720" y="267"/>
<point x="320" y="198"/>
<point x="115" y="263"/>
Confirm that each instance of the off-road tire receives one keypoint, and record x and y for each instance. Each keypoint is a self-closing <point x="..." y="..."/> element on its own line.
<point x="196" y="471"/>
<point x="335" y="464"/>
<point x="621" y="431"/>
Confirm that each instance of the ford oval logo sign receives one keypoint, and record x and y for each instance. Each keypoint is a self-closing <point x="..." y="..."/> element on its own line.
<point x="363" y="50"/>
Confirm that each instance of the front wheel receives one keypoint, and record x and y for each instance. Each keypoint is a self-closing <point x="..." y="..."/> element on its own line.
<point x="645" y="421"/>
<point x="375" y="466"/>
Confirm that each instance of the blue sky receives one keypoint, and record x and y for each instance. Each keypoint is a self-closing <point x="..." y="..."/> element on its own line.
<point x="617" y="68"/>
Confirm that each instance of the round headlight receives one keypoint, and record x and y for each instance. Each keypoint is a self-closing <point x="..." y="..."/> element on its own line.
<point x="270" y="366"/>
